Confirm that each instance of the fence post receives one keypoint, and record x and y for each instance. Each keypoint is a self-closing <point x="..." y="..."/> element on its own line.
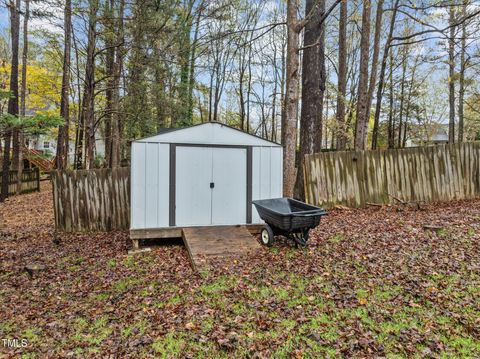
<point x="37" y="173"/>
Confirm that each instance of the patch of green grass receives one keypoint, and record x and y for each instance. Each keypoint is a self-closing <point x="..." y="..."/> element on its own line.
<point x="93" y="333"/>
<point x="125" y="284"/>
<point x="291" y="253"/>
<point x="80" y="324"/>
<point x="175" y="299"/>
<point x="126" y="332"/>
<point x="337" y="238"/>
<point x="30" y="355"/>
<point x="239" y="308"/>
<point x="207" y="324"/>
<point x="140" y="325"/>
<point x="112" y="263"/>
<point x="325" y="326"/>
<point x="130" y="262"/>
<point x="101" y="297"/>
<point x="32" y="335"/>
<point x="7" y="327"/>
<point x="386" y="293"/>
<point x="288" y="324"/>
<point x="99" y="331"/>
<point x="442" y="233"/>
<point x="467" y="347"/>
<point x="74" y="268"/>
<point x="281" y="293"/>
<point x="169" y="346"/>
<point x="217" y="286"/>
<point x="444" y="320"/>
<point x="361" y="293"/>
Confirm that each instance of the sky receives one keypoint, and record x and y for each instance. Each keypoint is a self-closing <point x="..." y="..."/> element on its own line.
<point x="436" y="77"/>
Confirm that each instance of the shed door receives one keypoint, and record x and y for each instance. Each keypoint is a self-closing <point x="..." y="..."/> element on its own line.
<point x="193" y="195"/>
<point x="211" y="186"/>
<point x="229" y="195"/>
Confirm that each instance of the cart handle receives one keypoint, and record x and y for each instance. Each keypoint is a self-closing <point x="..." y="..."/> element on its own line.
<point x="310" y="211"/>
<point x="318" y="213"/>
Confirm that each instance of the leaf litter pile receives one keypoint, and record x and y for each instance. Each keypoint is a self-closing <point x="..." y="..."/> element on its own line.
<point x="372" y="283"/>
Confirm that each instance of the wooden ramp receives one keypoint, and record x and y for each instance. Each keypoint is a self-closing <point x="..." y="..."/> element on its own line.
<point x="204" y="243"/>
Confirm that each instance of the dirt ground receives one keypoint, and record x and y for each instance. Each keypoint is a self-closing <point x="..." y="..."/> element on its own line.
<point x="372" y="283"/>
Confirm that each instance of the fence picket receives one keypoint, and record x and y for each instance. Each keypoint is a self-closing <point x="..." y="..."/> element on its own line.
<point x="427" y="174"/>
<point x="91" y="200"/>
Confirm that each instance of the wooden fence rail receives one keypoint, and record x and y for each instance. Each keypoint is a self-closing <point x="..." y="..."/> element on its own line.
<point x="30" y="181"/>
<point x="91" y="200"/>
<point x="424" y="174"/>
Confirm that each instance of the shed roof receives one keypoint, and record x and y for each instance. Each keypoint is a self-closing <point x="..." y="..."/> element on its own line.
<point x="214" y="133"/>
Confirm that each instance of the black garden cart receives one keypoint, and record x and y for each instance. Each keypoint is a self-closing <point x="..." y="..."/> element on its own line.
<point x="287" y="217"/>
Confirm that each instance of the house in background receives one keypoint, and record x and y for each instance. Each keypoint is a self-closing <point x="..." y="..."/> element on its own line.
<point x="438" y="135"/>
<point x="47" y="145"/>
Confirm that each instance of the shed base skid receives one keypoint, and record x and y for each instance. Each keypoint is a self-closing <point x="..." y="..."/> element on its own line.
<point x="204" y="243"/>
<point x="176" y="232"/>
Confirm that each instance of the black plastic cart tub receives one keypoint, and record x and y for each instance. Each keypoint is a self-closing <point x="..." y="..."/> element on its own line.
<point x="288" y="217"/>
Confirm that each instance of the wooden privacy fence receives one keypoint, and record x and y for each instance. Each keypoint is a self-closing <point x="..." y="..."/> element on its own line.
<point x="426" y="174"/>
<point x="91" y="200"/>
<point x="30" y="181"/>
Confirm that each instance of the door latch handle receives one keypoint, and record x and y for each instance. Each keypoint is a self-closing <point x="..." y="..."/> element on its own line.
<point x="212" y="184"/>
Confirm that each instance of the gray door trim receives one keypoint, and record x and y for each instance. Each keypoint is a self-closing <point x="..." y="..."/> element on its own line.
<point x="173" y="177"/>
<point x="173" y="181"/>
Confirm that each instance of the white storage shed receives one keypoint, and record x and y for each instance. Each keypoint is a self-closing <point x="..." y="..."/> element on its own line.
<point x="202" y="175"/>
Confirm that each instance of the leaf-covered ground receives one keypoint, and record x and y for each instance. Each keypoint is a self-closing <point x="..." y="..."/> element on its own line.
<point x="372" y="283"/>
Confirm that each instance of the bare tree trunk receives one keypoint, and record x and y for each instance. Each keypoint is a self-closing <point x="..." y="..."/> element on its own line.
<point x="117" y="72"/>
<point x="79" y="130"/>
<point x="23" y="94"/>
<point x="391" y="123"/>
<point x="13" y="99"/>
<point x="273" y="127"/>
<point x="249" y="85"/>
<point x="283" y="114"/>
<point x="291" y="100"/>
<point x="184" y="58"/>
<point x="241" y="79"/>
<point x="376" y="53"/>
<point x="87" y="112"/>
<point x="16" y="130"/>
<point x="402" y="96"/>
<point x="63" y="140"/>
<point x="342" y="77"/>
<point x="451" y="77"/>
<point x="461" y="91"/>
<point x="192" y="65"/>
<point x="313" y="87"/>
<point x="110" y="72"/>
<point x="381" y="81"/>
<point x="409" y="102"/>
<point x="362" y="121"/>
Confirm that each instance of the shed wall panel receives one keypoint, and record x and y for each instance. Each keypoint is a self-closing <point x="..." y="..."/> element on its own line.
<point x="256" y="181"/>
<point x="267" y="175"/>
<point x="137" y="217"/>
<point x="163" y="198"/>
<point x="151" y="185"/>
<point x="276" y="168"/>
